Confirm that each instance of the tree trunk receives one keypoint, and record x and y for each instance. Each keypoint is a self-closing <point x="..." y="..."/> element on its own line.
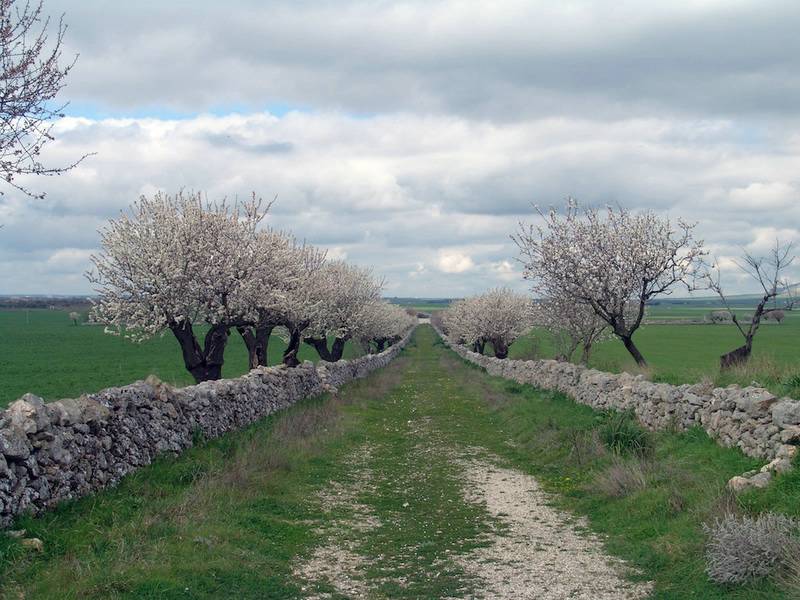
<point x="290" y="354"/>
<point x="321" y="346"/>
<point x="256" y="339"/>
<point x="634" y="351"/>
<point x="205" y="363"/>
<point x="337" y="350"/>
<point x="736" y="357"/>
<point x="587" y="350"/>
<point x="500" y="349"/>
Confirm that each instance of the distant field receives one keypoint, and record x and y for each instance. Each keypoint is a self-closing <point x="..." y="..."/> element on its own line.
<point x="690" y="353"/>
<point x="42" y="352"/>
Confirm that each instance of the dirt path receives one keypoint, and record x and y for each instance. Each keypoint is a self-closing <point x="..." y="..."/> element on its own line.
<point x="420" y="514"/>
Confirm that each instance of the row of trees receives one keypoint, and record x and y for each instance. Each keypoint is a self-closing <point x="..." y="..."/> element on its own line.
<point x="497" y="317"/>
<point x="596" y="270"/>
<point x="500" y="316"/>
<point x="202" y="270"/>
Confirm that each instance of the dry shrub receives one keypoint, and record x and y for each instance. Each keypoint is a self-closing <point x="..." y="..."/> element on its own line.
<point x="622" y="478"/>
<point x="742" y="548"/>
<point x="790" y="577"/>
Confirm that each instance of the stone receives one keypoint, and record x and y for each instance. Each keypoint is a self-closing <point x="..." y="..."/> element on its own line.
<point x="786" y="413"/>
<point x="14" y="443"/>
<point x="738" y="484"/>
<point x="761" y="480"/>
<point x="28" y="414"/>
<point x="778" y="465"/>
<point x="33" y="544"/>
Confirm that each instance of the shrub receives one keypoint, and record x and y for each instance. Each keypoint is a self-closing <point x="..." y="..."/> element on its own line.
<point x="720" y="316"/>
<point x="743" y="548"/>
<point x="622" y="478"/>
<point x="622" y="434"/>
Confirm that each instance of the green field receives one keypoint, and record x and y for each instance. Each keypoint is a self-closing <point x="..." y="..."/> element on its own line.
<point x="679" y="353"/>
<point x="42" y="352"/>
<point x="234" y="517"/>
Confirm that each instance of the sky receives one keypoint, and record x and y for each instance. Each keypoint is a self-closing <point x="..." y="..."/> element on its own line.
<point x="416" y="136"/>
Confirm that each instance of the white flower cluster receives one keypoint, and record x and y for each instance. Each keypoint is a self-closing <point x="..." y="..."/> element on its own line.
<point x="572" y="324"/>
<point x="177" y="262"/>
<point x="612" y="260"/>
<point x="499" y="316"/>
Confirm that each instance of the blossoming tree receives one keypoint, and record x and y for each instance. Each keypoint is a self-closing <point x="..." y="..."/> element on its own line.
<point x="175" y="262"/>
<point x="613" y="260"/>
<point x="349" y="291"/>
<point x="572" y="325"/>
<point x="499" y="316"/>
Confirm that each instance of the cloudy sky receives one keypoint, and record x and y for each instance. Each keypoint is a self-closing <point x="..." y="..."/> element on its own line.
<point x="414" y="136"/>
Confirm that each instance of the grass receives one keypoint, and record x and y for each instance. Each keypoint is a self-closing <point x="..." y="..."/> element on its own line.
<point x="231" y="517"/>
<point x="690" y="353"/>
<point x="42" y="352"/>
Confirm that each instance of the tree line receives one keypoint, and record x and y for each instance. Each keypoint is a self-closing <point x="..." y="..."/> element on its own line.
<point x="202" y="270"/>
<point x="594" y="272"/>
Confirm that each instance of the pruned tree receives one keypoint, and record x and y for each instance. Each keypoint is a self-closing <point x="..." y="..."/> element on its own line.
<point x="32" y="75"/>
<point x="613" y="260"/>
<point x="281" y="269"/>
<point x="460" y="322"/>
<point x="770" y="274"/>
<point x="176" y="262"/>
<point x="304" y="301"/>
<point x="572" y="325"/>
<point x="383" y="324"/>
<point x="349" y="291"/>
<point x="498" y="317"/>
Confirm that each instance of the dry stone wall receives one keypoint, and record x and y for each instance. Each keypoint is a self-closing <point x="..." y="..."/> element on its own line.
<point x="750" y="418"/>
<point x="55" y="451"/>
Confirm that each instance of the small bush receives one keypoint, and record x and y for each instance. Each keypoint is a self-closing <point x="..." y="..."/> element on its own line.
<point x="622" y="478"/>
<point x="622" y="434"/>
<point x="740" y="549"/>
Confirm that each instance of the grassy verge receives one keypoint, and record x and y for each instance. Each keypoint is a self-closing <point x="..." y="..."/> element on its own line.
<point x="234" y="517"/>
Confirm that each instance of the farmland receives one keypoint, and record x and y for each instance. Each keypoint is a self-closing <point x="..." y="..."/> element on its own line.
<point x="42" y="352"/>
<point x="243" y="514"/>
<point x="682" y="353"/>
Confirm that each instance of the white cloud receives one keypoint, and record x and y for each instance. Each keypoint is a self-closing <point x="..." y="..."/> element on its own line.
<point x="454" y="262"/>
<point x="398" y="190"/>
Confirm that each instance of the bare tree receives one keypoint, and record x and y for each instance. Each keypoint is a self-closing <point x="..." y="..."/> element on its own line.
<point x="613" y="260"/>
<point x="769" y="271"/>
<point x="31" y="76"/>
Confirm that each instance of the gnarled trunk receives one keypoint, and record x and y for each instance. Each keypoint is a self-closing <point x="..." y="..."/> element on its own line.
<point x="205" y="364"/>
<point x="633" y="350"/>
<point x="500" y="349"/>
<point x="290" y="354"/>
<point x="256" y="339"/>
<point x="736" y="357"/>
<point x="337" y="349"/>
<point x="321" y="346"/>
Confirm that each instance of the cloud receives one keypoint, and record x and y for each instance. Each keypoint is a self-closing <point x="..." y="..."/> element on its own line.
<point x="416" y="136"/>
<point x="504" y="61"/>
<point x="454" y="262"/>
<point x="398" y="191"/>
